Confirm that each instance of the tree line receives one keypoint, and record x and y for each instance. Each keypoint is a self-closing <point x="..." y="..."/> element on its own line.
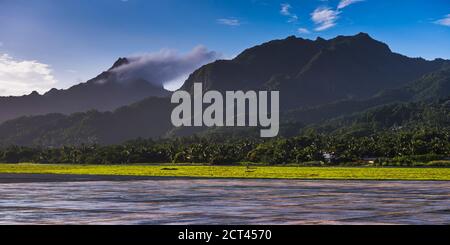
<point x="404" y="147"/>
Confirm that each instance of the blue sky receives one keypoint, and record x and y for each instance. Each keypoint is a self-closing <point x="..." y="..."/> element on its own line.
<point x="69" y="41"/>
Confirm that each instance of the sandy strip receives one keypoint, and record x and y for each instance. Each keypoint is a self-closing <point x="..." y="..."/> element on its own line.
<point x="36" y="178"/>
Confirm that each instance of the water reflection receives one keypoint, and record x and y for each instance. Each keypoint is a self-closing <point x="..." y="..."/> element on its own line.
<point x="226" y="202"/>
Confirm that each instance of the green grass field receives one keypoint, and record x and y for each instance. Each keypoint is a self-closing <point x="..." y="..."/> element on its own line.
<point x="332" y="173"/>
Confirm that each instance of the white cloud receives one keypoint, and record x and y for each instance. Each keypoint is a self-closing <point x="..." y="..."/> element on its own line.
<point x="19" y="77"/>
<point x="166" y="67"/>
<point x="345" y="3"/>
<point x="286" y="11"/>
<point x="303" y="31"/>
<point x="444" y="21"/>
<point x="293" y="18"/>
<point x="229" y="21"/>
<point x="324" y="18"/>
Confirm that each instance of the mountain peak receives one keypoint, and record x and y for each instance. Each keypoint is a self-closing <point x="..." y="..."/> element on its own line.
<point x="292" y="37"/>
<point x="360" y="36"/>
<point x="34" y="93"/>
<point x="51" y="91"/>
<point x="361" y="40"/>
<point x="319" y="39"/>
<point x="363" y="34"/>
<point x="120" y="62"/>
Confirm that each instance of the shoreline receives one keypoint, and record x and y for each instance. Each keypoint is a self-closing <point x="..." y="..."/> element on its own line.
<point x="17" y="178"/>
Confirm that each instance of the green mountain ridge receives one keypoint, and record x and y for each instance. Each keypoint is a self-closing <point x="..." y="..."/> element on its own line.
<point x="310" y="73"/>
<point x="90" y="127"/>
<point x="396" y="116"/>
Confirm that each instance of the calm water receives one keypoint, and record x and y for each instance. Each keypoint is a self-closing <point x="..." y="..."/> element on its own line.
<point x="226" y="202"/>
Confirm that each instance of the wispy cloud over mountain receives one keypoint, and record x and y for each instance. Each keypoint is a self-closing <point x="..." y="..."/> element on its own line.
<point x="303" y="31"/>
<point x="166" y="67"/>
<point x="19" y="77"/>
<point x="324" y="18"/>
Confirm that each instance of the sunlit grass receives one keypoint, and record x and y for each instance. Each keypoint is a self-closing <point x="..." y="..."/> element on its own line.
<point x="350" y="173"/>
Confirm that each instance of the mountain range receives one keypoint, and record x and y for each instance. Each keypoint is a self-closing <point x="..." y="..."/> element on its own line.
<point x="309" y="73"/>
<point x="319" y="81"/>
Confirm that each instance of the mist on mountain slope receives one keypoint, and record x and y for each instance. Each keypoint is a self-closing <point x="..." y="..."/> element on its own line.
<point x="166" y="67"/>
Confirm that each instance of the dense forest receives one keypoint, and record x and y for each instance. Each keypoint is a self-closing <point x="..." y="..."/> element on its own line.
<point x="400" y="147"/>
<point x="402" y="134"/>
